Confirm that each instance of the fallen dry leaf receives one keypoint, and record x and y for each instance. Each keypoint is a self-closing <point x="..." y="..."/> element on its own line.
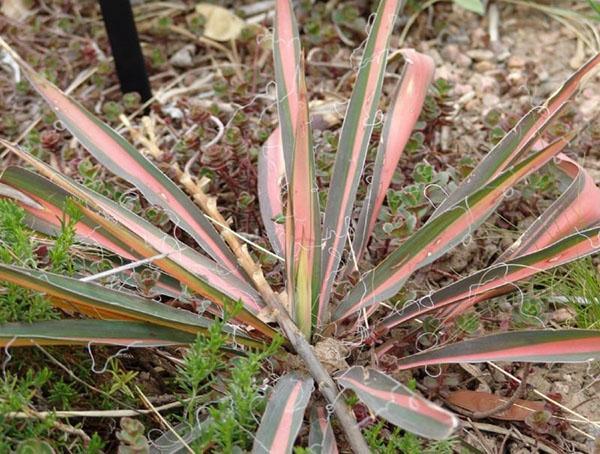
<point x="15" y="9"/>
<point x="479" y="401"/>
<point x="221" y="24"/>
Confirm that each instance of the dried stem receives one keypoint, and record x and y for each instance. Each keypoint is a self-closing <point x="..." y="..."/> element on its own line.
<point x="325" y="383"/>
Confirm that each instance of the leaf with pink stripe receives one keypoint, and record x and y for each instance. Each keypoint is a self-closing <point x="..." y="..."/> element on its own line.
<point x="303" y="224"/>
<point x="91" y="332"/>
<point x="397" y="129"/>
<point x="353" y="145"/>
<point x="439" y="236"/>
<point x="287" y="65"/>
<point x="199" y="273"/>
<point x="533" y="346"/>
<point x="495" y="279"/>
<point x="93" y="300"/>
<point x="321" y="439"/>
<point x="519" y="140"/>
<point x="271" y="179"/>
<point x="121" y="158"/>
<point x="47" y="215"/>
<point x="399" y="405"/>
<point x="573" y="212"/>
<point x="283" y="416"/>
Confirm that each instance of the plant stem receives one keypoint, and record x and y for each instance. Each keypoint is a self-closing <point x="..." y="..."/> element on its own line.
<point x="325" y="383"/>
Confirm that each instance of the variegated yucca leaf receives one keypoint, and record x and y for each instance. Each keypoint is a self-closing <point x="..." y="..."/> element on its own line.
<point x="303" y="223"/>
<point x="46" y="213"/>
<point x="91" y="332"/>
<point x="547" y="345"/>
<point x="283" y="416"/>
<point x="439" y="236"/>
<point x="570" y="214"/>
<point x="519" y="140"/>
<point x="271" y="179"/>
<point x="399" y="405"/>
<point x="397" y="129"/>
<point x="198" y="273"/>
<point x="494" y="280"/>
<point x="321" y="439"/>
<point x="287" y="64"/>
<point x="96" y="301"/>
<point x="124" y="160"/>
<point x="354" y="141"/>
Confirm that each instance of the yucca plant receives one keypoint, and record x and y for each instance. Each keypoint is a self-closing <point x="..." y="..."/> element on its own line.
<point x="313" y="248"/>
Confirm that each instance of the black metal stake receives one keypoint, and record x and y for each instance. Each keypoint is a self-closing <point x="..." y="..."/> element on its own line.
<point x="125" y="45"/>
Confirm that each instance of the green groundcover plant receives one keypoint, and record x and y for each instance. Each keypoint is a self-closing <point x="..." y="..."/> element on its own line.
<point x="312" y="243"/>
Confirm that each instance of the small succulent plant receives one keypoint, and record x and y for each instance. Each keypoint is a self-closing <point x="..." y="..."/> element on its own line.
<point x="313" y="246"/>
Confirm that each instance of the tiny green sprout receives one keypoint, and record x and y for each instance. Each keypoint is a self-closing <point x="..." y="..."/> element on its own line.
<point x="104" y="68"/>
<point x="279" y="219"/>
<point x="196" y="24"/>
<point x="393" y="200"/>
<point x="531" y="308"/>
<point x="245" y="199"/>
<point x="132" y="101"/>
<point x="23" y="87"/>
<point x="163" y="25"/>
<point x="66" y="24"/>
<point x="239" y="118"/>
<point x="220" y="88"/>
<point x="412" y="196"/>
<point x="492" y="118"/>
<point x="132" y="437"/>
<point x="62" y="394"/>
<point x="442" y="87"/>
<point x="233" y="136"/>
<point x="112" y="110"/>
<point x="415" y="143"/>
<point x="496" y="135"/>
<point x="469" y="322"/>
<point x="346" y="14"/>
<point x="157" y="57"/>
<point x="423" y="173"/>
<point x="412" y="384"/>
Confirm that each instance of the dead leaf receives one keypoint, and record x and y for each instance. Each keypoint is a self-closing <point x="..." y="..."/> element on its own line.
<point x="15" y="9"/>
<point x="221" y="24"/>
<point x="478" y="402"/>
